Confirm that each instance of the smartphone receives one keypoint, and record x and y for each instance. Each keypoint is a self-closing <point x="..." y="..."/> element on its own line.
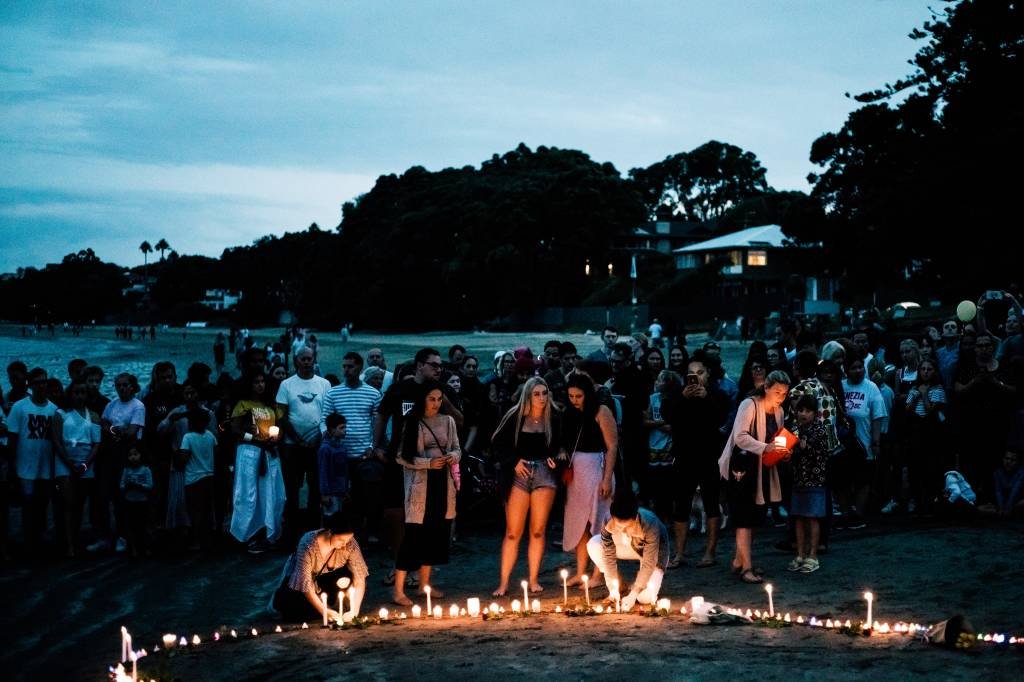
<point x="692" y="380"/>
<point x="993" y="295"/>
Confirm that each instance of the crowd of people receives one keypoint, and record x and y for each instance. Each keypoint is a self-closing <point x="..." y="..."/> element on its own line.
<point x="814" y="435"/>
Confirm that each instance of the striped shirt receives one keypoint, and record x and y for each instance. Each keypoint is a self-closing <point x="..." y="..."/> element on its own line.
<point x="359" y="406"/>
<point x="936" y="395"/>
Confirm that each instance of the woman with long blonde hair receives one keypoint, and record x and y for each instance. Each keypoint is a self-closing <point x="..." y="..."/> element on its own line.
<point x="526" y="444"/>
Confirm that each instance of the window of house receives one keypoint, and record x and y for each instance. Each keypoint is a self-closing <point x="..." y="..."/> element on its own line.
<point x="757" y="258"/>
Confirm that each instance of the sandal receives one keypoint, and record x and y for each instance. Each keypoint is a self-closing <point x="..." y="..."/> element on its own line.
<point x="749" y="577"/>
<point x="707" y="561"/>
<point x="676" y="562"/>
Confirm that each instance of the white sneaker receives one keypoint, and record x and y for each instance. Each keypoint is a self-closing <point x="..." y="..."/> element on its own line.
<point x="836" y="511"/>
<point x="890" y="507"/>
<point x="100" y="545"/>
<point x="121" y="546"/>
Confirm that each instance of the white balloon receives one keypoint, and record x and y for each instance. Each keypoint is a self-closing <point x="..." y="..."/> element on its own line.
<point x="966" y="311"/>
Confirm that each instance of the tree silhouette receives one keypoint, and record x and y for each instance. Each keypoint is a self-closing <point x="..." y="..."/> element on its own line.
<point x="146" y="249"/>
<point x="162" y="246"/>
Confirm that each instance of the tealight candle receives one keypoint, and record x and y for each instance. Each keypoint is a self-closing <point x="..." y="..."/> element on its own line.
<point x="254" y="632"/>
<point x="473" y="606"/>
<point x="516" y="606"/>
<point x="195" y="640"/>
<point x="535" y="606"/>
<point x="183" y="641"/>
<point x="417" y="612"/>
<point x="598" y="609"/>
<point x="494" y="608"/>
<point x="438" y="612"/>
<point x="453" y="611"/>
<point x="664" y="605"/>
<point x="383" y="613"/>
<point x="170" y="640"/>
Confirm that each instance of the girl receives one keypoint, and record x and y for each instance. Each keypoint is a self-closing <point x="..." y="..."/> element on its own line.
<point x="76" y="441"/>
<point x="926" y="411"/>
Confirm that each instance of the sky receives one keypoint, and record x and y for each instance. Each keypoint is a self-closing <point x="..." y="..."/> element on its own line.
<point x="213" y="124"/>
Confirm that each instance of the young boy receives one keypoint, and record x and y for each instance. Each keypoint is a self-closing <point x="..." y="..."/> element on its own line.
<point x="332" y="463"/>
<point x="136" y="489"/>
<point x="808" y="504"/>
<point x="198" y="446"/>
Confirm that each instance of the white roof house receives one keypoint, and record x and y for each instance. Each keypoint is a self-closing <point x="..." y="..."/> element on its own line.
<point x="765" y="235"/>
<point x="745" y="249"/>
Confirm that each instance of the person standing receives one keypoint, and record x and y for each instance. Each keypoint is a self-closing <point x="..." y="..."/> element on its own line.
<point x="29" y="438"/>
<point x="300" y="400"/>
<point x="655" y="332"/>
<point x="76" y="441"/>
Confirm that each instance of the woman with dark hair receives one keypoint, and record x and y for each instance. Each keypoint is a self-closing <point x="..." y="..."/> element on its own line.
<point x="751" y="485"/>
<point x="526" y="443"/>
<point x="755" y="369"/>
<point x="259" y="493"/>
<point x="653" y="364"/>
<point x="76" y="442"/>
<point x="325" y="562"/>
<point x="590" y="437"/>
<point x="678" y="358"/>
<point x="429" y="454"/>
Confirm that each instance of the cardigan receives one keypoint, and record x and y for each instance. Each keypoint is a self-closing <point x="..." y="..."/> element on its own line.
<point x="750" y="421"/>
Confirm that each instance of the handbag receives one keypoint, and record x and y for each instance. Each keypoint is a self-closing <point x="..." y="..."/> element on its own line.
<point x="568" y="473"/>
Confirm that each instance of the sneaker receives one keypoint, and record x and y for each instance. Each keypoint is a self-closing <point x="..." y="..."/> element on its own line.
<point x="796" y="564"/>
<point x="810" y="566"/>
<point x="836" y="511"/>
<point x="783" y="514"/>
<point x="100" y="545"/>
<point x="890" y="507"/>
<point x="121" y="546"/>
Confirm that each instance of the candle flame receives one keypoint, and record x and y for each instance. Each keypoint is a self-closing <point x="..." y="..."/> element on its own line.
<point x="564" y="573"/>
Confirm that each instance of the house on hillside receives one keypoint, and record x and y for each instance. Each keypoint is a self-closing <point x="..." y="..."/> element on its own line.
<point x="759" y="266"/>
<point x="663" y="235"/>
<point x="221" y="299"/>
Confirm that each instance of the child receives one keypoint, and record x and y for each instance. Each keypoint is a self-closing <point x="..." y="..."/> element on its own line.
<point x="332" y="463"/>
<point x="197" y="449"/>
<point x="136" y="488"/>
<point x="926" y="410"/>
<point x="809" y="462"/>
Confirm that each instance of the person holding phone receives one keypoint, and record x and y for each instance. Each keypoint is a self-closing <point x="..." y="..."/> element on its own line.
<point x="429" y="453"/>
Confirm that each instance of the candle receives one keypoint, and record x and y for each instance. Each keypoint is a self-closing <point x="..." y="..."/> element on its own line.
<point x="183" y="641"/>
<point x="273" y="431"/>
<point x="253" y="632"/>
<point x="195" y="640"/>
<point x="234" y="634"/>
<point x="383" y="613"/>
<point x="565" y="586"/>
<point x="417" y="612"/>
<point x="771" y="604"/>
<point x="615" y="593"/>
<point x="341" y="606"/>
<point x="124" y="643"/>
<point x="323" y="600"/>
<point x="696" y="603"/>
<point x="870" y="599"/>
<point x="216" y="636"/>
<point x="473" y="606"/>
<point x="586" y="588"/>
<point x="494" y="608"/>
<point x="170" y="640"/>
<point x="558" y="609"/>
<point x="526" y="595"/>
<point x="462" y="612"/>
<point x="453" y="611"/>
<point x="664" y="605"/>
<point x="276" y="629"/>
<point x="535" y="606"/>
<point x="516" y="606"/>
<point x="598" y="609"/>
<point x="426" y="591"/>
<point x="438" y="612"/>
<point x="780" y="441"/>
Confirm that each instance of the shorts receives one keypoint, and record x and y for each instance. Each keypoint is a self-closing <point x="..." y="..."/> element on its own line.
<point x="808" y="503"/>
<point x="540" y="476"/>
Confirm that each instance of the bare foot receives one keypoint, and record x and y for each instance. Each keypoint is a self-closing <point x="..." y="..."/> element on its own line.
<point x="535" y="588"/>
<point x="597" y="582"/>
<point x="500" y="592"/>
<point x="574" y="581"/>
<point x="436" y="593"/>
<point x="400" y="599"/>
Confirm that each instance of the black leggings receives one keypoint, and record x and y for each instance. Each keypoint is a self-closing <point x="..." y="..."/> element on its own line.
<point x="688" y="476"/>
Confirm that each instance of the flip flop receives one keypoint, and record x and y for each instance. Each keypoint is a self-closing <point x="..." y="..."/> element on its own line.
<point x="676" y="562"/>
<point x="749" y="577"/>
<point x="705" y="562"/>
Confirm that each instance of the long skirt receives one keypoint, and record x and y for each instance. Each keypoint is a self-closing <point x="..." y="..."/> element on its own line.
<point x="177" y="510"/>
<point x="583" y="501"/>
<point x="258" y="496"/>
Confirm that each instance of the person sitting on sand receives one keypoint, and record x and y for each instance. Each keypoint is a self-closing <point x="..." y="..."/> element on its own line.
<point x="635" y="534"/>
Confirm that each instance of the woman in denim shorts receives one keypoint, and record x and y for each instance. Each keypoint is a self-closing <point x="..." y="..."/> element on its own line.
<point x="526" y="444"/>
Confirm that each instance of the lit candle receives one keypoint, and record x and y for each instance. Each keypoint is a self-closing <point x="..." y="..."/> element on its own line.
<point x="341" y="606"/>
<point x="473" y="606"/>
<point x="170" y="641"/>
<point x="276" y="629"/>
<point x="664" y="605"/>
<point x="183" y="641"/>
<point x="565" y="586"/>
<point x="234" y="634"/>
<point x="586" y="588"/>
<point x="847" y="623"/>
<point x="870" y="599"/>
<point x="124" y="642"/>
<point x="273" y="431"/>
<point x="417" y="612"/>
<point x="438" y="612"/>
<point x="558" y="609"/>
<point x="516" y="606"/>
<point x="195" y="640"/>
<point x="535" y="606"/>
<point x="786" y="618"/>
<point x="383" y="613"/>
<point x="462" y="612"/>
<point x="696" y="603"/>
<point x="615" y="593"/>
<point x="216" y="636"/>
<point x="526" y="595"/>
<point x="426" y="591"/>
<point x="453" y="611"/>
<point x="323" y="600"/>
<point x="771" y="604"/>
<point x="254" y="632"/>
<point x="598" y="609"/>
<point x="494" y="608"/>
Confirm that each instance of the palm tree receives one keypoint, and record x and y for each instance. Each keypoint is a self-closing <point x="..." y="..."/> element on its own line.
<point x="146" y="249"/>
<point x="162" y="246"/>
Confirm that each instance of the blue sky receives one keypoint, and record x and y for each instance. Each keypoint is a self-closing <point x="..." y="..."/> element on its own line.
<point x="212" y="124"/>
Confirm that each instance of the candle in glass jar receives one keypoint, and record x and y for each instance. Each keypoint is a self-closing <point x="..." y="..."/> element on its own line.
<point x="780" y="441"/>
<point x="438" y="611"/>
<point x="535" y="606"/>
<point x="453" y="611"/>
<point x="417" y="612"/>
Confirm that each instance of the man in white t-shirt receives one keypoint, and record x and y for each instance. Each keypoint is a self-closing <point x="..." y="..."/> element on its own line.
<point x="29" y="438"/>
<point x="655" y="331"/>
<point x="865" y="407"/>
<point x="300" y="398"/>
